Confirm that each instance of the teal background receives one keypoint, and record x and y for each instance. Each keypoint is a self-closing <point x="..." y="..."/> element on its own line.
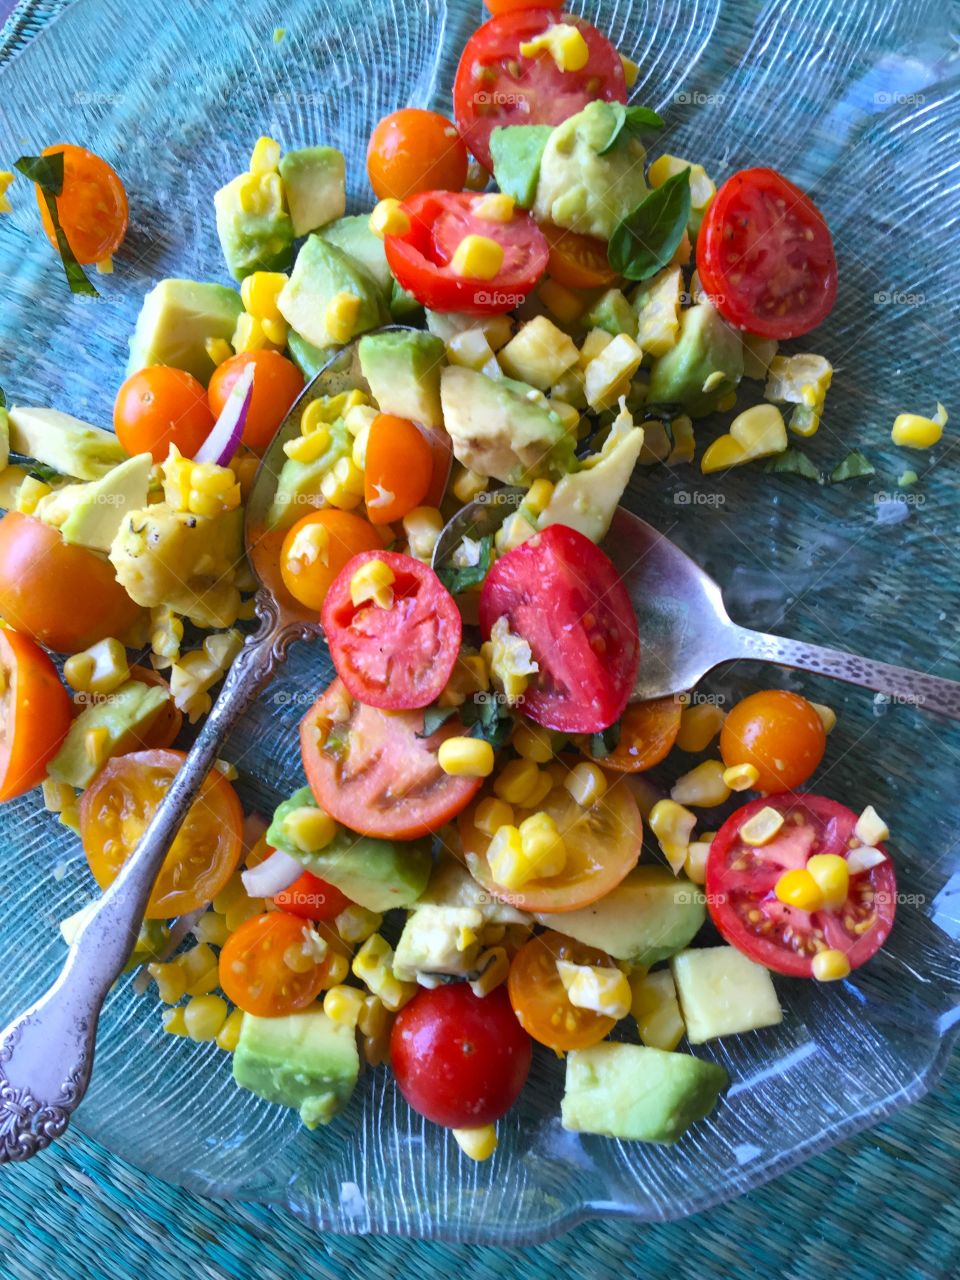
<point x="883" y="1204"/>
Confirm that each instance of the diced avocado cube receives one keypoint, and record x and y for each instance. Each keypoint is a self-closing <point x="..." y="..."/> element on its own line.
<point x="403" y="304"/>
<point x="706" y="345"/>
<point x="90" y="515"/>
<point x="127" y="713"/>
<point x="354" y="237"/>
<point x="308" y="358"/>
<point x="635" y="1093"/>
<point x="723" y="993"/>
<point x="649" y="915"/>
<point x="586" y="500"/>
<point x="4" y="437"/>
<point x="302" y="1060"/>
<point x="175" y="321"/>
<point x="403" y="370"/>
<point x="72" y="447"/>
<point x="314" y="182"/>
<point x="614" y="314"/>
<point x="517" y="150"/>
<point x="257" y="238"/>
<point x="298" y="485"/>
<point x="657" y="304"/>
<point x="320" y="273"/>
<point x="432" y="942"/>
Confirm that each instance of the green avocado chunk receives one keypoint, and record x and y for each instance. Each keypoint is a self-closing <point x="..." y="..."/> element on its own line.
<point x="72" y="447"/>
<point x="252" y="241"/>
<point x="377" y="874"/>
<point x="128" y="710"/>
<point x="579" y="188"/>
<point x="175" y="321"/>
<point x="90" y="515"/>
<point x="353" y="235"/>
<point x="403" y="370"/>
<point x="4" y="438"/>
<point x="649" y="915"/>
<point x="303" y="1060"/>
<point x="298" y="485"/>
<point x="323" y="270"/>
<point x="314" y="182"/>
<point x="403" y="304"/>
<point x="706" y="345"/>
<point x="645" y="1095"/>
<point x="308" y="358"/>
<point x="613" y="313"/>
<point x="517" y="150"/>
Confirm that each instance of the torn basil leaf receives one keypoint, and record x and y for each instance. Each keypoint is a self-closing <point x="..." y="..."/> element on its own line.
<point x="603" y="743"/>
<point x="648" y="237"/>
<point x="40" y="471"/>
<point x="852" y="467"/>
<point x="793" y="462"/>
<point x="3" y="398"/>
<point x="633" y="119"/>
<point x="487" y="715"/>
<point x="433" y="718"/>
<point x="458" y="578"/>
<point x="47" y="173"/>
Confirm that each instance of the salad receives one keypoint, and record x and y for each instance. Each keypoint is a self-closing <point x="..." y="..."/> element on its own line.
<point x="492" y="846"/>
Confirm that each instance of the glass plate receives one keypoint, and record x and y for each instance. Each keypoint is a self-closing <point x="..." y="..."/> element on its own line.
<point x="856" y="100"/>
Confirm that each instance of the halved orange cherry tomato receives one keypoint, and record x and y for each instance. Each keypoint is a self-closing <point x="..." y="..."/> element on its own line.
<point x="35" y="712"/>
<point x="602" y="844"/>
<point x="577" y="261"/>
<point x="779" y="733"/>
<point x="276" y="384"/>
<point x="266" y="967"/>
<point x="92" y="205"/>
<point x="161" y="406"/>
<point x="497" y="7"/>
<point x="648" y="730"/>
<point x="117" y="807"/>
<point x="414" y="150"/>
<point x="540" y="1000"/>
<point x="308" y="576"/>
<point x="64" y="597"/>
<point x="398" y="468"/>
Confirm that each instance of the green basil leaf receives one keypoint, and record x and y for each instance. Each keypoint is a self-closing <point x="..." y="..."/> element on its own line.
<point x="457" y="579"/>
<point x="433" y="718"/>
<point x="647" y="238"/>
<point x="3" y="398"/>
<point x="40" y="471"/>
<point x="488" y="716"/>
<point x="852" y="467"/>
<point x="643" y="118"/>
<point x="605" y="742"/>
<point x="47" y="173"/>
<point x="633" y="119"/>
<point x="792" y="462"/>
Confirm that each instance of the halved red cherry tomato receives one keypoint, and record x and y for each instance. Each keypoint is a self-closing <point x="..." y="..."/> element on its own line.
<point x="779" y="733"/>
<point x="397" y="658"/>
<point x="414" y="150"/>
<point x="266" y="967"/>
<point x="765" y="256"/>
<point x="276" y="384"/>
<point x="439" y="221"/>
<point x="372" y="771"/>
<point x="648" y="730"/>
<point x="496" y="85"/>
<point x="308" y="574"/>
<point x="497" y="7"/>
<point x="64" y="597"/>
<point x="540" y="1000"/>
<point x="312" y="898"/>
<point x="565" y="598"/>
<point x="398" y="470"/>
<point x="35" y="713"/>
<point x="577" y="261"/>
<point x="460" y="1060"/>
<point x="741" y="878"/>
<point x="92" y="205"/>
<point x="117" y="808"/>
<point x="161" y="406"/>
<point x="602" y="845"/>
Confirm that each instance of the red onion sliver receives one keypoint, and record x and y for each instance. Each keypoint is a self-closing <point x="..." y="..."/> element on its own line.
<point x="225" y="435"/>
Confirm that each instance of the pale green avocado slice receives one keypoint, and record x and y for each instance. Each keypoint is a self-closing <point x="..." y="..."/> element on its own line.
<point x="97" y="509"/>
<point x="321" y="271"/>
<point x="403" y="370"/>
<point x="517" y="150"/>
<point x="251" y="241"/>
<point x="128" y="711"/>
<point x="706" y="345"/>
<point x="303" y="1060"/>
<point x="175" y="321"/>
<point x="613" y="313"/>
<point x="70" y="446"/>
<point x="353" y="235"/>
<point x="308" y="358"/>
<point x="314" y="182"/>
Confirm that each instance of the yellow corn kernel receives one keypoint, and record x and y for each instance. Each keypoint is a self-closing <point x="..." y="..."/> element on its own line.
<point x="389" y="218"/>
<point x="204" y="1016"/>
<point x="741" y="777"/>
<point x="200" y="968"/>
<point x="494" y="966"/>
<point x="309" y="828"/>
<point x="702" y="190"/>
<point x="6" y="177"/>
<point x="343" y="1004"/>
<point x="684" y="441"/>
<point x="695" y="863"/>
<point x="228" y="1037"/>
<point x="259" y="293"/>
<point x="563" y="42"/>
<point x="532" y="743"/>
<point x="173" y="1022"/>
<point x="828" y="717"/>
<point x="830" y="872"/>
<point x="276" y="331"/>
<point x="477" y="258"/>
<point x="57" y="796"/>
<point x="561" y="302"/>
<point x="342" y="486"/>
<point x="871" y="828"/>
<point x="96" y="745"/>
<point x="310" y="447"/>
<point x="468" y="484"/>
<point x="762" y="827"/>
<point x="211" y="928"/>
<point x="477" y="1144"/>
<point x="508" y="866"/>
<point x="672" y="824"/>
<point x="514" y="531"/>
<point x="656" y="1009"/>
<point x="358" y="453"/>
<point x="491" y="814"/>
<point x="248" y="334"/>
<point x="601" y="988"/>
<point x="496" y="207"/>
<point x="218" y="349"/>
<point x="543" y="845"/>
<point x="703" y="786"/>
<point x="798" y="888"/>
<point x="422" y="527"/>
<point x="373" y="581"/>
<point x="587" y="784"/>
<point x="265" y="156"/>
<point x="630" y="70"/>
<point x="538" y="496"/>
<point x="340" y="317"/>
<point x="373" y="965"/>
<point x="78" y="672"/>
<point x="310" y="545"/>
<point x="466" y="757"/>
<point x="699" y="725"/>
<point x="517" y="781"/>
<point x="357" y="924"/>
<point x="913" y="431"/>
<point x="830" y="965"/>
<point x="374" y="1019"/>
<point x="29" y="494"/>
<point x="376" y="1049"/>
<point x="171" y="980"/>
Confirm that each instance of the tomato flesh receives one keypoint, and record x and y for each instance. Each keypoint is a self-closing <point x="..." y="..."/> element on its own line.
<point x="401" y="657"/>
<point x="565" y="598"/>
<point x="414" y="150"/>
<point x="398" y="470"/>
<point x="540" y="1001"/>
<point x="777" y="732"/>
<point x="648" y="731"/>
<point x="276" y="384"/>
<point x="460" y="1060"/>
<point x="35" y="714"/>
<point x="578" y="261"/>
<point x="741" y="880"/>
<point x="312" y="898"/>
<point x="372" y="771"/>
<point x="159" y="407"/>
<point x="765" y="256"/>
<point x="496" y="85"/>
<point x="92" y="205"/>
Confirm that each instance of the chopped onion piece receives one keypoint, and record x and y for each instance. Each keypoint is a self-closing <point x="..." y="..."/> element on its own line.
<point x="226" y="433"/>
<point x="863" y="858"/>
<point x="272" y="876"/>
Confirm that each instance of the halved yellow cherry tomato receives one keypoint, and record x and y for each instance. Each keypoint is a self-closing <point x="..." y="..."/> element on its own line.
<point x="267" y="967"/>
<point x="310" y="561"/>
<point x="540" y="1001"/>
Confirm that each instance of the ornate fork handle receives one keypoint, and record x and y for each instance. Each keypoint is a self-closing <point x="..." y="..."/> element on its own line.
<point x="46" y="1054"/>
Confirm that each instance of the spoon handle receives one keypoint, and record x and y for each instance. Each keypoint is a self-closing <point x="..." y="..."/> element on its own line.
<point x="46" y="1054"/>
<point x="899" y="684"/>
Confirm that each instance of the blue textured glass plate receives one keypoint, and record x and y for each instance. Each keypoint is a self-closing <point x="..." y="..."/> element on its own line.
<point x="850" y="99"/>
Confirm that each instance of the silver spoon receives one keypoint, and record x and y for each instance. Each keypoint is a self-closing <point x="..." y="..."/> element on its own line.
<point x="46" y="1054"/>
<point x="685" y="630"/>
